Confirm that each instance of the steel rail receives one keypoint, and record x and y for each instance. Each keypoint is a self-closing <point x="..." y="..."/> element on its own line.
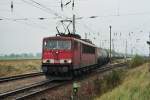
<point x="11" y="78"/>
<point x="111" y="66"/>
<point x="23" y="89"/>
<point x="40" y="91"/>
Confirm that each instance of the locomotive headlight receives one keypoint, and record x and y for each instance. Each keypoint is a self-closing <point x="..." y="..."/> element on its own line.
<point x="65" y="61"/>
<point x="44" y="61"/>
<point x="51" y="60"/>
<point x="48" y="60"/>
<point x="69" y="61"/>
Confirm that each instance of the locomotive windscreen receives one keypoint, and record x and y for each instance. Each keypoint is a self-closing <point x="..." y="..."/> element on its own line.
<point x="57" y="44"/>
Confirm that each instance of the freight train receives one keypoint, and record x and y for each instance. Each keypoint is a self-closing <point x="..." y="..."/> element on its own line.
<point x="65" y="56"/>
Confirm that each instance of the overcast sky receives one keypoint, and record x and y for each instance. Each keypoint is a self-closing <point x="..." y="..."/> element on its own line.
<point x="125" y="16"/>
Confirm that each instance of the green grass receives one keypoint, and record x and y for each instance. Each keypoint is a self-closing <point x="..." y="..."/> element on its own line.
<point x="107" y="82"/>
<point x="135" y="86"/>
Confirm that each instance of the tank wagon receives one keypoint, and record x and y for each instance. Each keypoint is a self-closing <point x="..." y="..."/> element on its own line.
<point x="65" y="56"/>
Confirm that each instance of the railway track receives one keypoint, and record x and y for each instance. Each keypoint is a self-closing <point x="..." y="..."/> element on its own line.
<point x="30" y="90"/>
<point x="111" y="66"/>
<point x="39" y="88"/>
<point x="6" y="79"/>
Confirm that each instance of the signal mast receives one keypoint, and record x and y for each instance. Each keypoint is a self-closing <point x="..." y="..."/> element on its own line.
<point x="148" y="42"/>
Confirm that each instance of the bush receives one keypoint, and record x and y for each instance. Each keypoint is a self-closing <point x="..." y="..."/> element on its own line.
<point x="98" y="86"/>
<point x="136" y="61"/>
<point x="113" y="79"/>
<point x="108" y="82"/>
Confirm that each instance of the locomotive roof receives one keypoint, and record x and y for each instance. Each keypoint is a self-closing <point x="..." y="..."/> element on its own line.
<point x="70" y="38"/>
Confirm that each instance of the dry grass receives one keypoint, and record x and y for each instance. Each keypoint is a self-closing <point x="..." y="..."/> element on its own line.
<point x="135" y="86"/>
<point x="136" y="61"/>
<point x="15" y="67"/>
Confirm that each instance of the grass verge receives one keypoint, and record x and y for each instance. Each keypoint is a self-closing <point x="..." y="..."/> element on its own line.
<point x="136" y="61"/>
<point x="135" y="86"/>
<point x="16" y="67"/>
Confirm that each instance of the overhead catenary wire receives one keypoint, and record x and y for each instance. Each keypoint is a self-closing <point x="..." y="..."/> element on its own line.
<point x="42" y="7"/>
<point x="30" y="23"/>
<point x="78" y="18"/>
<point x="26" y="18"/>
<point x="12" y="6"/>
<point x="101" y="16"/>
<point x="24" y="21"/>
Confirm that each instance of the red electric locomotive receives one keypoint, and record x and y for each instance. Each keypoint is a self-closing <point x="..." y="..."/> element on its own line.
<point x="68" y="55"/>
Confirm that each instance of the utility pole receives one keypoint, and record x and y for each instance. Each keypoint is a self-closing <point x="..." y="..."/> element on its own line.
<point x="85" y="35"/>
<point x="132" y="51"/>
<point x="113" y="45"/>
<point x="149" y="45"/>
<point x="73" y="22"/>
<point x="126" y="50"/>
<point x="148" y="42"/>
<point x="12" y="6"/>
<point x="110" y="43"/>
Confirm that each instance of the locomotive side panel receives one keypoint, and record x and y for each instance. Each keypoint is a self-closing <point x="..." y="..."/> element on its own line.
<point x="76" y="54"/>
<point x="88" y="55"/>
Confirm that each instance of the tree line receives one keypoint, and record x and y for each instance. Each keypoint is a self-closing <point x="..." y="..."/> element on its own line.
<point x="21" y="56"/>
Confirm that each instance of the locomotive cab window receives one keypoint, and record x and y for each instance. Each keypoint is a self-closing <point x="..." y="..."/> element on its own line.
<point x="88" y="49"/>
<point x="45" y="43"/>
<point x="57" y="44"/>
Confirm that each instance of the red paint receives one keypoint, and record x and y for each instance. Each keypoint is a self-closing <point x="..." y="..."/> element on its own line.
<point x="52" y="54"/>
<point x="79" y="59"/>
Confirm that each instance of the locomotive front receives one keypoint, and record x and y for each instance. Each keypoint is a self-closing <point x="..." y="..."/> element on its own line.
<point x="56" y="56"/>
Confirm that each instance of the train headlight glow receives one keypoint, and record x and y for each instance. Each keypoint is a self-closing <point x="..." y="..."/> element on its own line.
<point x="44" y="61"/>
<point x="69" y="61"/>
<point x="48" y="61"/>
<point x="51" y="60"/>
<point x="65" y="61"/>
